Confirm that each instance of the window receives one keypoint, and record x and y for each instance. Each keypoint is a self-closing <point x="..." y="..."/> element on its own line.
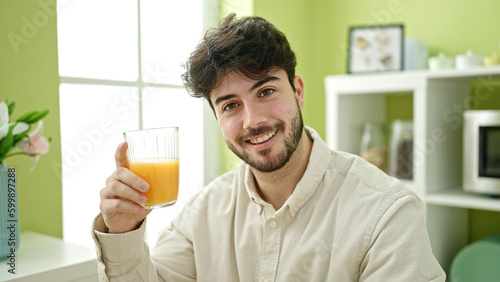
<point x="120" y="66"/>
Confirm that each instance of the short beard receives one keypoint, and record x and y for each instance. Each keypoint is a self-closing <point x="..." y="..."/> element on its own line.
<point x="291" y="144"/>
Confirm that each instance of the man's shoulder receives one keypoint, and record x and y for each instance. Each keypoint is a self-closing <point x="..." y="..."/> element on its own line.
<point x="367" y="176"/>
<point x="366" y="193"/>
<point x="347" y="170"/>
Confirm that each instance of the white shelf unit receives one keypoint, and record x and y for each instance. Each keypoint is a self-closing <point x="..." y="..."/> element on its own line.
<point x="438" y="101"/>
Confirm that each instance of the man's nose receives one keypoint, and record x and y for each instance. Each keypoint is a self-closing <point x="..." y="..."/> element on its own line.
<point x="254" y="116"/>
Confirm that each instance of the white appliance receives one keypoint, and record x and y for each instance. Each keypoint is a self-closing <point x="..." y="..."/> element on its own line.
<point x="481" y="149"/>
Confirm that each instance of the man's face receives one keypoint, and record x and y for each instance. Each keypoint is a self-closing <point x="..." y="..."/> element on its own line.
<point x="261" y="119"/>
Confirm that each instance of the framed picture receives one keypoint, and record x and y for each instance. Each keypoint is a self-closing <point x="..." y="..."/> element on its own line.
<point x="375" y="48"/>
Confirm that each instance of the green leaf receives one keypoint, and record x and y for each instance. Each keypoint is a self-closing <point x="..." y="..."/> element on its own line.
<point x="26" y="116"/>
<point x="38" y="116"/>
<point x="18" y="137"/>
<point x="6" y="144"/>
<point x="12" y="106"/>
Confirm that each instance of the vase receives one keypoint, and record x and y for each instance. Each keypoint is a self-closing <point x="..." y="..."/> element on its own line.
<point x="9" y="213"/>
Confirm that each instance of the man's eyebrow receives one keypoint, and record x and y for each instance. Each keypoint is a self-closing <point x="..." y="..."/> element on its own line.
<point x="264" y="80"/>
<point x="224" y="98"/>
<point x="256" y="85"/>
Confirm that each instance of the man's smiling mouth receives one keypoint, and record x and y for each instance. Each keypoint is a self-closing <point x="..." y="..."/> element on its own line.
<point x="262" y="139"/>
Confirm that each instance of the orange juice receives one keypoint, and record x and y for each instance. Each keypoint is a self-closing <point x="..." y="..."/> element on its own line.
<point x="163" y="179"/>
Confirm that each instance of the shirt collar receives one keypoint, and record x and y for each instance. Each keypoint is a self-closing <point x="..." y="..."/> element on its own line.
<point x="252" y="191"/>
<point x="316" y="168"/>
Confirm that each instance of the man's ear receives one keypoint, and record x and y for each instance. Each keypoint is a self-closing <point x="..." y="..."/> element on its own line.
<point x="299" y="90"/>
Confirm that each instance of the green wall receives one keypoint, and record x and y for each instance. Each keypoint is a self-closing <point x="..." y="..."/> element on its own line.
<point x="295" y="18"/>
<point x="28" y="76"/>
<point x="318" y="31"/>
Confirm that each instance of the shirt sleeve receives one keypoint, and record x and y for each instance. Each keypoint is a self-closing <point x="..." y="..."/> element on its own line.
<point x="126" y="256"/>
<point x="399" y="248"/>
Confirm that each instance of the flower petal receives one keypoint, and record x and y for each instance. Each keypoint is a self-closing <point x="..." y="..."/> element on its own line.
<point x="4" y="114"/>
<point x="4" y="130"/>
<point x="24" y="144"/>
<point x="40" y="145"/>
<point x="35" y="160"/>
<point x="20" y="128"/>
<point x="37" y="140"/>
<point x="39" y="129"/>
<point x="36" y="144"/>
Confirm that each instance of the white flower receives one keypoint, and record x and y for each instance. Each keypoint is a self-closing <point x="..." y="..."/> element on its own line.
<point x="4" y="123"/>
<point x="4" y="120"/>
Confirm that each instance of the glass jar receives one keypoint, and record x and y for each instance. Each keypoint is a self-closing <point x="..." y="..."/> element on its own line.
<point x="401" y="149"/>
<point x="373" y="144"/>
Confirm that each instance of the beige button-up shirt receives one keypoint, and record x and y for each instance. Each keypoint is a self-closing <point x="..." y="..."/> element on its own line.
<point x="345" y="221"/>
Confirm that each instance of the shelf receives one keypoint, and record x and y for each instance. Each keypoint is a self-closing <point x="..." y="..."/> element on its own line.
<point x="401" y="81"/>
<point x="439" y="74"/>
<point x="437" y="152"/>
<point x="471" y="73"/>
<point x="460" y="199"/>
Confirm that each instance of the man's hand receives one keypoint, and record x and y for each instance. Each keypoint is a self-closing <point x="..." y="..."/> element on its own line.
<point x="122" y="197"/>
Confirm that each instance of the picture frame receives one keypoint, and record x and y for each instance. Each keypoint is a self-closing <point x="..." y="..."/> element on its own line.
<point x="376" y="48"/>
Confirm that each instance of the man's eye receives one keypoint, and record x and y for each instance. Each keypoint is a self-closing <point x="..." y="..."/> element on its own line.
<point x="266" y="92"/>
<point x="230" y="106"/>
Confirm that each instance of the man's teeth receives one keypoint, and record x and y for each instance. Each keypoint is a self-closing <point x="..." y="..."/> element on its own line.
<point x="262" y="139"/>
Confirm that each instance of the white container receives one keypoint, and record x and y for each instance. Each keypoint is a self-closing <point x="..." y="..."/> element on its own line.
<point x="441" y="62"/>
<point x="415" y="54"/>
<point x="468" y="60"/>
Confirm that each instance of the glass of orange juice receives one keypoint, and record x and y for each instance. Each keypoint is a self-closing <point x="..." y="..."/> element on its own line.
<point x="153" y="155"/>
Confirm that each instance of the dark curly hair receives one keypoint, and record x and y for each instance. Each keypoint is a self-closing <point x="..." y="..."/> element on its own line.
<point x="250" y="45"/>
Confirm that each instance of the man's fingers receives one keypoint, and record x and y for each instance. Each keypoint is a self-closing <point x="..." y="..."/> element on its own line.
<point x="121" y="155"/>
<point x="117" y="189"/>
<point x="113" y="206"/>
<point x="122" y="198"/>
<point x="125" y="176"/>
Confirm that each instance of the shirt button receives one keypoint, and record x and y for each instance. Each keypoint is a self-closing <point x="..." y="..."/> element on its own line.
<point x="272" y="224"/>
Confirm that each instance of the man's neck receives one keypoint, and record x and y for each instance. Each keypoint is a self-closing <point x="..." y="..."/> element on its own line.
<point x="275" y="187"/>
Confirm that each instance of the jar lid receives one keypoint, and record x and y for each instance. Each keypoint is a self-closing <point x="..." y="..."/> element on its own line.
<point x="402" y="124"/>
<point x="441" y="57"/>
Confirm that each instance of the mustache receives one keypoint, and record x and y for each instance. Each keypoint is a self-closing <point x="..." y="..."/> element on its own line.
<point x="259" y="131"/>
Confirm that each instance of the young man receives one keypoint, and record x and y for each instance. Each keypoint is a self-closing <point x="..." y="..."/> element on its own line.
<point x="294" y="210"/>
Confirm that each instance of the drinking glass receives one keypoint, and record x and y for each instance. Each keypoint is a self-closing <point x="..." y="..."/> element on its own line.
<point x="153" y="154"/>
